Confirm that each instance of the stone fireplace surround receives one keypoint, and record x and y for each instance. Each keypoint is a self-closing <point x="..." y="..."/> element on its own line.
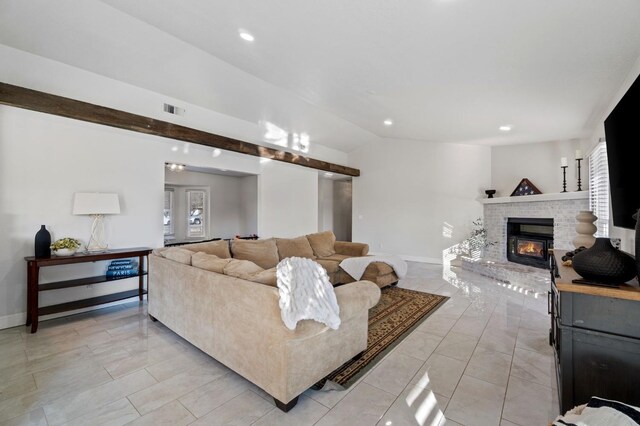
<point x="562" y="208"/>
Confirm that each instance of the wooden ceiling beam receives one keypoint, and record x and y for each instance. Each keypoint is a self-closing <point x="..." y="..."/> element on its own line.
<point x="21" y="97"/>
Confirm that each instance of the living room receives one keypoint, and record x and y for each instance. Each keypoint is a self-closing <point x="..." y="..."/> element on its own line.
<point x="548" y="75"/>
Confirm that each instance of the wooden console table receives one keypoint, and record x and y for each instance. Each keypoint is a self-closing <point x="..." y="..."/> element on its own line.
<point x="34" y="287"/>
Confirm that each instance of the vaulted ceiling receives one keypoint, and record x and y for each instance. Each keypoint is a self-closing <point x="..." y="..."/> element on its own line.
<point x="441" y="70"/>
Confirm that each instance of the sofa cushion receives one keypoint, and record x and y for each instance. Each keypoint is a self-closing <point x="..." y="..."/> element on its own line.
<point x="261" y="252"/>
<point x="158" y="251"/>
<point x="351" y="249"/>
<point x="331" y="266"/>
<point x="210" y="262"/>
<point x="298" y="247"/>
<point x="244" y="269"/>
<point x="268" y="277"/>
<point x="219" y="248"/>
<point x="337" y="257"/>
<point x="378" y="268"/>
<point x="177" y="254"/>
<point x="322" y="243"/>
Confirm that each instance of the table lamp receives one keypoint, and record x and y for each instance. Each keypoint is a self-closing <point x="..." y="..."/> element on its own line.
<point x="96" y="205"/>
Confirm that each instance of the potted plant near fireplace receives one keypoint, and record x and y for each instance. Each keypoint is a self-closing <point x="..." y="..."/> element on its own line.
<point x="477" y="240"/>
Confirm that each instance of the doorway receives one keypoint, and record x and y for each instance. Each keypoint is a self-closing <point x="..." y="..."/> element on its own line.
<point x="335" y="205"/>
<point x="203" y="203"/>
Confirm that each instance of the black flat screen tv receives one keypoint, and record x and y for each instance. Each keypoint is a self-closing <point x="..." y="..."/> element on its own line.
<point x="622" y="131"/>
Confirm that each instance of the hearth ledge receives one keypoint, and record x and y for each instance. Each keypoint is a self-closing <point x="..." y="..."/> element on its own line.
<point x="519" y="278"/>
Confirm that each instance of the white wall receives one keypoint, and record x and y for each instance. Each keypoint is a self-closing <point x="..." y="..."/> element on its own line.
<point x="227" y="203"/>
<point x="416" y="199"/>
<point x="44" y="159"/>
<point x="540" y="163"/>
<point x="287" y="200"/>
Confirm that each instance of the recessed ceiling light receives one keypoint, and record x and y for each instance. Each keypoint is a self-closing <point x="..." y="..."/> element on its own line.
<point x="388" y="122"/>
<point x="328" y="174"/>
<point x="245" y="35"/>
<point x="216" y="152"/>
<point x="506" y="128"/>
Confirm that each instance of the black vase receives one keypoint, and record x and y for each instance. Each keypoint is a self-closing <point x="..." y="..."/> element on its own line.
<point x="603" y="263"/>
<point x="43" y="243"/>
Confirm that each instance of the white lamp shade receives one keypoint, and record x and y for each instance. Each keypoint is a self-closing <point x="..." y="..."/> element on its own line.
<point x="95" y="203"/>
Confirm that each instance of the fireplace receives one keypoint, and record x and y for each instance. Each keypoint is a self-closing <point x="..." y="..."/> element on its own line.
<point x="529" y="241"/>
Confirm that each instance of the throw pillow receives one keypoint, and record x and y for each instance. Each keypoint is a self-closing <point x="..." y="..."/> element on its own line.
<point x="210" y="262"/>
<point x="290" y="247"/>
<point x="178" y="254"/>
<point x="322" y="243"/>
<point x="219" y="248"/>
<point x="261" y="252"/>
<point x="244" y="269"/>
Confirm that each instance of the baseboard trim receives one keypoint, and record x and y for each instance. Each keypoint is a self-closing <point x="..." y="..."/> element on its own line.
<point x="422" y="259"/>
<point x="16" y="320"/>
<point x="409" y="258"/>
<point x="13" y="320"/>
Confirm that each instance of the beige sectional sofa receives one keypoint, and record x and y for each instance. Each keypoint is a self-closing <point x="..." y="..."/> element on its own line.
<point x="321" y="247"/>
<point x="228" y="307"/>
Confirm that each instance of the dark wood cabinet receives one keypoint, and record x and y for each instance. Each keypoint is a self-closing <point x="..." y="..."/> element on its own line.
<point x="34" y="287"/>
<point x="595" y="334"/>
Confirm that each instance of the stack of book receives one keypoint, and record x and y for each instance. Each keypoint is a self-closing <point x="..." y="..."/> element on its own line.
<point x="122" y="268"/>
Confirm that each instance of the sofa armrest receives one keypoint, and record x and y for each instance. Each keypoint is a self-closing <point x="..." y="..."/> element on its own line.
<point x="355" y="297"/>
<point x="351" y="249"/>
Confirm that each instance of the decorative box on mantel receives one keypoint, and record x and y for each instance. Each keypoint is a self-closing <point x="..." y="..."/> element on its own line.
<point x="561" y="207"/>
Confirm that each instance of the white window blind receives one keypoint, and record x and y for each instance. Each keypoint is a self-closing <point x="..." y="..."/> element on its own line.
<point x="599" y="188"/>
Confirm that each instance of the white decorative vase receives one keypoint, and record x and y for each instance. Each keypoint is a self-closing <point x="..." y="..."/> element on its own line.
<point x="64" y="252"/>
<point x="585" y="229"/>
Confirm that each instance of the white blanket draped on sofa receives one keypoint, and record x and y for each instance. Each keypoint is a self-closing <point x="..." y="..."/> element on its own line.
<point x="306" y="293"/>
<point x="355" y="266"/>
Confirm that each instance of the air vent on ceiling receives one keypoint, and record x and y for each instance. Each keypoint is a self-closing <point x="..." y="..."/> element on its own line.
<point x="172" y="109"/>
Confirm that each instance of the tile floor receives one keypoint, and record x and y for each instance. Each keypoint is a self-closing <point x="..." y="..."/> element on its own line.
<point x="481" y="359"/>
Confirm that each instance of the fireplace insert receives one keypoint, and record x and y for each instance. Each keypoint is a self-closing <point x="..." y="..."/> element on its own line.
<point x="529" y="241"/>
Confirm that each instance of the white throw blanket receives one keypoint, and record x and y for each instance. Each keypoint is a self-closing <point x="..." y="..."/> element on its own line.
<point x="355" y="266"/>
<point x="601" y="411"/>
<point x="306" y="293"/>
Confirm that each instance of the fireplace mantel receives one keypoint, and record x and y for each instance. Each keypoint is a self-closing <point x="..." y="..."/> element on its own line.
<point x="539" y="197"/>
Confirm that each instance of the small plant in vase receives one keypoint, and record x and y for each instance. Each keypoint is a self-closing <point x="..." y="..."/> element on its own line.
<point x="477" y="241"/>
<point x="65" y="246"/>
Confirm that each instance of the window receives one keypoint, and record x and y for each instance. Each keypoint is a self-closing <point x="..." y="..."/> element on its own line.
<point x="168" y="213"/>
<point x="599" y="188"/>
<point x="196" y="201"/>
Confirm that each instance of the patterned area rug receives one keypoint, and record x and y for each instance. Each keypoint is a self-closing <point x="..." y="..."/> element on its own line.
<point x="397" y="314"/>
